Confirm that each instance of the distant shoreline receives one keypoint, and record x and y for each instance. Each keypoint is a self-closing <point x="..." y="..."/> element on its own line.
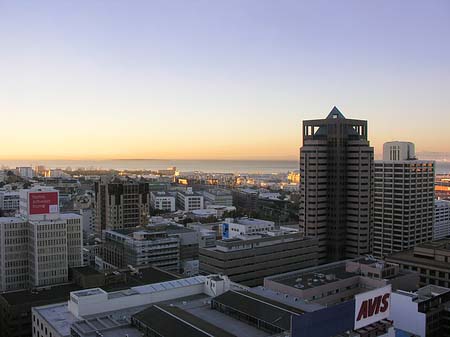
<point x="208" y="165"/>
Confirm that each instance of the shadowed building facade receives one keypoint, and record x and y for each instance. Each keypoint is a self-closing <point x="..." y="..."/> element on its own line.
<point x="336" y="186"/>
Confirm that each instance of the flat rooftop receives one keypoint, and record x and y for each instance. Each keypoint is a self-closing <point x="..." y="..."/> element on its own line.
<point x="315" y="276"/>
<point x="53" y="294"/>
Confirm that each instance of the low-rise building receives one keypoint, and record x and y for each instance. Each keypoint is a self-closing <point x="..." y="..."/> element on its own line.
<point x="218" y="196"/>
<point x="163" y="201"/>
<point x="338" y="282"/>
<point x="9" y="202"/>
<point x="245" y="199"/>
<point x="424" y="313"/>
<point x="431" y="260"/>
<point x="189" y="201"/>
<point x="243" y="226"/>
<point x="248" y="259"/>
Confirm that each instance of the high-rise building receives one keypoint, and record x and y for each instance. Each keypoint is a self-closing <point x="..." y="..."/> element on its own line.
<point x="336" y="186"/>
<point x="121" y="203"/>
<point x="403" y="200"/>
<point x="441" y="227"/>
<point x="38" y="247"/>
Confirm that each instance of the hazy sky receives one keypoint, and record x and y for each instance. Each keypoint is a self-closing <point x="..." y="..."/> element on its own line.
<point x="217" y="79"/>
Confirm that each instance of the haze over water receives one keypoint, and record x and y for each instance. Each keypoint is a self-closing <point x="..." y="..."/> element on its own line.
<point x="217" y="166"/>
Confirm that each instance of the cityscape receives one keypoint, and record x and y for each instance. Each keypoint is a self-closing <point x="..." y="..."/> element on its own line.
<point x="138" y="200"/>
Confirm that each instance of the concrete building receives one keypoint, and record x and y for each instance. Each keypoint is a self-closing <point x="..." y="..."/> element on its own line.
<point x="245" y="200"/>
<point x="424" y="313"/>
<point x="338" y="282"/>
<point x="336" y="186"/>
<point x="244" y="226"/>
<point x="431" y="260"/>
<point x="218" y="196"/>
<point x="441" y="227"/>
<point x="189" y="201"/>
<point x="248" y="259"/>
<point x="95" y="312"/>
<point x="38" y="248"/>
<point x="9" y="202"/>
<point x="15" y="306"/>
<point x="404" y="200"/>
<point x="121" y="203"/>
<point x="164" y="246"/>
<point x="202" y="306"/>
<point x="163" y="201"/>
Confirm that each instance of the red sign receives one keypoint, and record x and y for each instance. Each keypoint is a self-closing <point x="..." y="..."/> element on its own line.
<point x="372" y="306"/>
<point x="43" y="203"/>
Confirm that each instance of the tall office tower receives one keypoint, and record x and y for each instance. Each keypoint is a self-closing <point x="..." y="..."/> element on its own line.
<point x="336" y="186"/>
<point x="403" y="201"/>
<point x="120" y="203"/>
<point x="38" y="247"/>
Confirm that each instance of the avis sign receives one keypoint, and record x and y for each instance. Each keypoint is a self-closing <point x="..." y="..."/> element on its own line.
<point x="372" y="306"/>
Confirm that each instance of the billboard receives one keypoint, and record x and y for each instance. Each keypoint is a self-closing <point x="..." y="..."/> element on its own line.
<point x="225" y="231"/>
<point x="43" y="203"/>
<point x="372" y="306"/>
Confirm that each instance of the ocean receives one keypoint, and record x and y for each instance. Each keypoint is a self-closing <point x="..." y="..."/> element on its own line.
<point x="216" y="166"/>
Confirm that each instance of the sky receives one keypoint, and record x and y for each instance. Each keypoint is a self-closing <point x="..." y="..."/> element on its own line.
<point x="204" y="79"/>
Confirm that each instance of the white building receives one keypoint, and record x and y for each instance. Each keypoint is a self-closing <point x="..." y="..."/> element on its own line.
<point x="399" y="151"/>
<point x="403" y="200"/>
<point x="25" y="172"/>
<point x="235" y="227"/>
<point x="189" y="201"/>
<point x="38" y="247"/>
<point x="423" y="312"/>
<point x="441" y="227"/>
<point x="162" y="201"/>
<point x="57" y="320"/>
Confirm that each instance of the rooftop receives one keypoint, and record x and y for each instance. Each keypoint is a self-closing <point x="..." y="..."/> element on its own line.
<point x="169" y="320"/>
<point x="261" y="308"/>
<point x="44" y="296"/>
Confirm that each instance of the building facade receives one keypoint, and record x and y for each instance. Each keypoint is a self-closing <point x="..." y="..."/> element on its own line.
<point x="403" y="202"/>
<point x="441" y="227"/>
<point x="424" y="313"/>
<point x="163" y="201"/>
<point x="248" y="259"/>
<point x="430" y="259"/>
<point x="336" y="186"/>
<point x="38" y="247"/>
<point x="121" y="203"/>
<point x="189" y="201"/>
<point x="218" y="196"/>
